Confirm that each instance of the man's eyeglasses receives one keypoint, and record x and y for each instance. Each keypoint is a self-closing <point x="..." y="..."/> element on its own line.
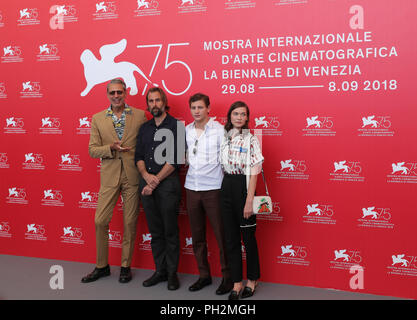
<point x="195" y="147"/>
<point x="119" y="92"/>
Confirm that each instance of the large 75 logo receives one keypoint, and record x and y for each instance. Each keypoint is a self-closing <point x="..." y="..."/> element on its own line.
<point x="169" y="64"/>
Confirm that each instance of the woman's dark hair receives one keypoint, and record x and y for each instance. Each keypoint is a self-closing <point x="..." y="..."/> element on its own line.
<point x="238" y="104"/>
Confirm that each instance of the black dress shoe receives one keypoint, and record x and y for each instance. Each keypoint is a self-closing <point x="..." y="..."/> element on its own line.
<point x="234" y="295"/>
<point x="225" y="287"/>
<point x="200" y="284"/>
<point x="173" y="282"/>
<point x="125" y="275"/>
<point x="156" y="278"/>
<point x="96" y="274"/>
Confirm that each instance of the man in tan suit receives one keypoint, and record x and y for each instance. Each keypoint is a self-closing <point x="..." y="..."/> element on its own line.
<point x="113" y="139"/>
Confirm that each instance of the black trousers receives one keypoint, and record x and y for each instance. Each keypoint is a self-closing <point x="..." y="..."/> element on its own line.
<point x="236" y="228"/>
<point x="161" y="210"/>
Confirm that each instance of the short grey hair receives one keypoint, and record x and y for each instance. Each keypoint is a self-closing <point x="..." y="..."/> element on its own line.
<point x="117" y="81"/>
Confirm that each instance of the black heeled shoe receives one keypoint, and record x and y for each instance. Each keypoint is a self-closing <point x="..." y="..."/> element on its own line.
<point x="248" y="292"/>
<point x="234" y="295"/>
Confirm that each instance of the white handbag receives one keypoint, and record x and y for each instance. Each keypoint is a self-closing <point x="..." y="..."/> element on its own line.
<point x="261" y="204"/>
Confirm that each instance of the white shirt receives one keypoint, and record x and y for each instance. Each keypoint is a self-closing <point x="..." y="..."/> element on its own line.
<point x="203" y="155"/>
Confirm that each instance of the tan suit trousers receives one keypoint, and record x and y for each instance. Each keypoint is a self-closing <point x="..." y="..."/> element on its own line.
<point x="107" y="200"/>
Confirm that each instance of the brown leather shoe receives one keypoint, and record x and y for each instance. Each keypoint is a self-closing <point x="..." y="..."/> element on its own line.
<point x="225" y="287"/>
<point x="200" y="284"/>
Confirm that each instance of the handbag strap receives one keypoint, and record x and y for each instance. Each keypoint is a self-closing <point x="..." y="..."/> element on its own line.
<point x="263" y="177"/>
<point x="247" y="165"/>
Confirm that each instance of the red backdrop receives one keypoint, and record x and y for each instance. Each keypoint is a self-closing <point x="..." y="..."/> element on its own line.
<point x="328" y="82"/>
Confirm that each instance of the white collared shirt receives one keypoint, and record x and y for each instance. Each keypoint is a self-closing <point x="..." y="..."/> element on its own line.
<point x="203" y="156"/>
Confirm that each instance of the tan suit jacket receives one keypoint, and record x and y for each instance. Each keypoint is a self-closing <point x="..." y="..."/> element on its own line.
<point x="103" y="135"/>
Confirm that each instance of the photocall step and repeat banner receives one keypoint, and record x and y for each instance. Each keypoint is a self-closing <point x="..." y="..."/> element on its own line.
<point x="331" y="90"/>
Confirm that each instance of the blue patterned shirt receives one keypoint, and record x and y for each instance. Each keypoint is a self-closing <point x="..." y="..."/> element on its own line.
<point x="119" y="124"/>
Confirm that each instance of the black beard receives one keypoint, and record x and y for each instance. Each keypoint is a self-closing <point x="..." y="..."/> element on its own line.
<point x="156" y="112"/>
